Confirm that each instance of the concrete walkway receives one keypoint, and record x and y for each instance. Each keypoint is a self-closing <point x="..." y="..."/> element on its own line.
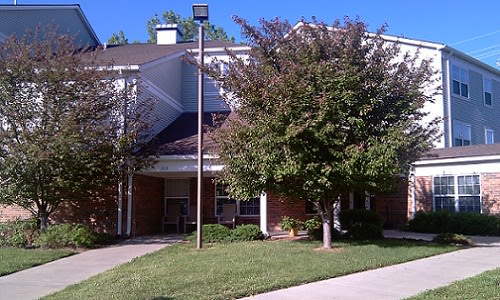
<point x="51" y="277"/>
<point x="403" y="280"/>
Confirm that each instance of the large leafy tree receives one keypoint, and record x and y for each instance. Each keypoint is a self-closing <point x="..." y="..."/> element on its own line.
<point x="62" y="127"/>
<point x="321" y="110"/>
<point x="189" y="27"/>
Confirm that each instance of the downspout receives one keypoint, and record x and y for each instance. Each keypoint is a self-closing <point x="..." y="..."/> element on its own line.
<point x="120" y="209"/>
<point x="413" y="191"/>
<point x="129" y="205"/>
<point x="448" y="96"/>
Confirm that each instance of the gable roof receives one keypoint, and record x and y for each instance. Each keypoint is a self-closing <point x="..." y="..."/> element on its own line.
<point x="138" y="54"/>
<point x="68" y="19"/>
<point x="181" y="137"/>
<point x="462" y="152"/>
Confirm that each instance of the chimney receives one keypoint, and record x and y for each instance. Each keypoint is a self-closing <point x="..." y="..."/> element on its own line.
<point x="168" y="34"/>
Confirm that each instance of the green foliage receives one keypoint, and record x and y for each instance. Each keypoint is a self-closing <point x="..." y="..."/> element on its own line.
<point x="67" y="235"/>
<point x="189" y="28"/>
<point x="118" y="39"/>
<point x="247" y="232"/>
<point x="321" y="110"/>
<point x="462" y="223"/>
<point x="350" y="217"/>
<point x="18" y="233"/>
<point x="314" y="228"/>
<point x="288" y="223"/>
<point x="361" y="224"/>
<point x="365" y="231"/>
<point x="238" y="270"/>
<point x="452" y="238"/>
<point x="215" y="233"/>
<point x="61" y="135"/>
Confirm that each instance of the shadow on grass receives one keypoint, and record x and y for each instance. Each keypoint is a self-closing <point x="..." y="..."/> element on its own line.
<point x="384" y="243"/>
<point x="163" y="298"/>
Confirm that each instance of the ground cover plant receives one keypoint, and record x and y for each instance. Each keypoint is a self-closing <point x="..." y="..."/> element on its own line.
<point x="483" y="286"/>
<point x="16" y="259"/>
<point x="232" y="270"/>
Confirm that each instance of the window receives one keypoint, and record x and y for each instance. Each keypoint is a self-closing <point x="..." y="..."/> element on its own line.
<point x="489" y="136"/>
<point x="245" y="208"/>
<point x="461" y="133"/>
<point x="457" y="193"/>
<point x="177" y="193"/>
<point x="487" y="83"/>
<point x="460" y="81"/>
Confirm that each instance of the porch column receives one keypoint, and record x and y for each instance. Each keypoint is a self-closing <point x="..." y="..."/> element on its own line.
<point x="336" y="215"/>
<point x="129" y="206"/>
<point x="120" y="208"/>
<point x="263" y="213"/>
<point x="351" y="200"/>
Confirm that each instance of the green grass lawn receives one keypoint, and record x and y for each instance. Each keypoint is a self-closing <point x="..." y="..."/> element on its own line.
<point x="225" y="271"/>
<point x="483" y="286"/>
<point x="17" y="259"/>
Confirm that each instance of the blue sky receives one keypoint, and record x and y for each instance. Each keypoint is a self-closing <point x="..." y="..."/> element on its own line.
<point x="472" y="27"/>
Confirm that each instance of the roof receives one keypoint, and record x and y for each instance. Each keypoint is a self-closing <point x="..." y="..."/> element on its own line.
<point x="138" y="54"/>
<point x="458" y="152"/>
<point x="181" y="137"/>
<point x="68" y="19"/>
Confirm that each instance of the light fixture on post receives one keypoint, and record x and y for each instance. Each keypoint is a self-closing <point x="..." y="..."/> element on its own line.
<point x="200" y="13"/>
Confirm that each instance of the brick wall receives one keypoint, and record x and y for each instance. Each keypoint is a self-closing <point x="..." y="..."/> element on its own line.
<point x="490" y="190"/>
<point x="423" y="193"/>
<point x="12" y="212"/>
<point x="98" y="211"/>
<point x="147" y="205"/>
<point x="278" y="207"/>
<point x="393" y="207"/>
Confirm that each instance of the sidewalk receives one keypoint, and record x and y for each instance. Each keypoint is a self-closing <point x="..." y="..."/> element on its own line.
<point x="403" y="280"/>
<point x="51" y="277"/>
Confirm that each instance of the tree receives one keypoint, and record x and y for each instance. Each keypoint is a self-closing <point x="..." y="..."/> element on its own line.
<point x="321" y="111"/>
<point x="118" y="39"/>
<point x="189" y="28"/>
<point x="61" y="124"/>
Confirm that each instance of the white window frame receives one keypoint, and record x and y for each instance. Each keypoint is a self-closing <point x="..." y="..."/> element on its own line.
<point x="470" y="188"/>
<point x="488" y="90"/>
<point x="460" y="78"/>
<point x="463" y="132"/>
<point x="221" y="195"/>
<point x="489" y="136"/>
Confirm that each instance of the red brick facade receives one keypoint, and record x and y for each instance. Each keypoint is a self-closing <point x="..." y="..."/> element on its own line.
<point x="11" y="212"/>
<point x="490" y="190"/>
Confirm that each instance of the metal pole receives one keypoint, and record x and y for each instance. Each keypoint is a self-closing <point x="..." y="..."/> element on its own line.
<point x="199" y="216"/>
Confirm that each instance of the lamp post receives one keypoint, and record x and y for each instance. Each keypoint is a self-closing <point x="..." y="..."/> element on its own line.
<point x="200" y="13"/>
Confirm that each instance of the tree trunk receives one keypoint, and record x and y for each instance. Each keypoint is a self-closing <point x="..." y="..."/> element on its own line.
<point x="325" y="212"/>
<point x="43" y="219"/>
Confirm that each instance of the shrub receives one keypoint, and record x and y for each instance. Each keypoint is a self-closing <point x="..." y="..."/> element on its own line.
<point x="18" y="233"/>
<point x="212" y="233"/>
<point x="314" y="228"/>
<point x="67" y="235"/>
<point x="365" y="231"/>
<point x="352" y="216"/>
<point x="248" y="232"/>
<point x="288" y="223"/>
<point x="452" y="238"/>
<point x="462" y="223"/>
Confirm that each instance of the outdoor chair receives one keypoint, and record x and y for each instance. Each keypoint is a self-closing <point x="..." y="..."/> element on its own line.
<point x="228" y="216"/>
<point x="190" y="219"/>
<point x="172" y="217"/>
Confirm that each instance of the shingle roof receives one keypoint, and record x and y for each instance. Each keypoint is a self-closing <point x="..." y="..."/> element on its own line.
<point x="138" y="54"/>
<point x="467" y="151"/>
<point x="181" y="137"/>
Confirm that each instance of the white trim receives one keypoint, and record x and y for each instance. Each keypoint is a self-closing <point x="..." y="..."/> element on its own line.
<point x="162" y="95"/>
<point x="457" y="160"/>
<point x="263" y="214"/>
